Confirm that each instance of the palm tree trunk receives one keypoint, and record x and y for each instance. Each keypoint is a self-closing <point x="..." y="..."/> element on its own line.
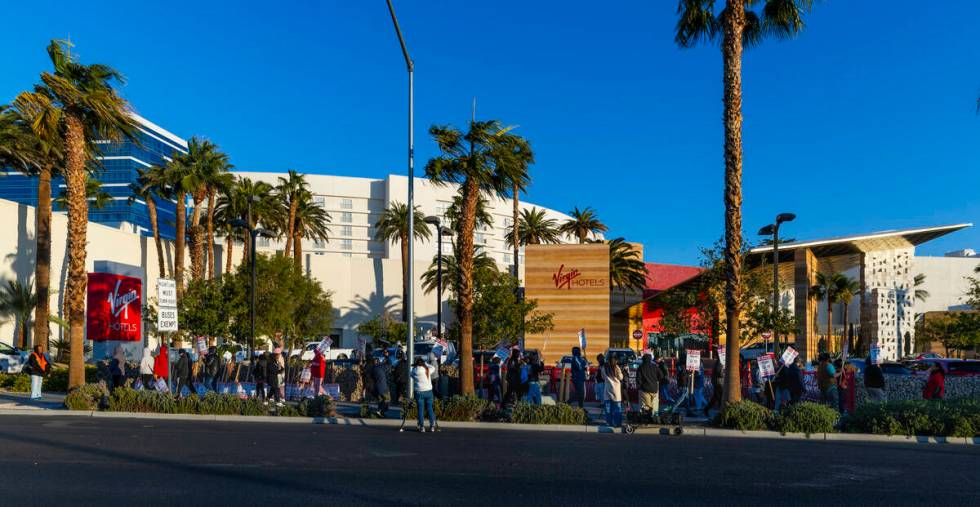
<point x="291" y="226"/>
<point x="151" y="209"/>
<point x="229" y="243"/>
<point x="298" y="250"/>
<point x="404" y="248"/>
<point x="830" y="323"/>
<point x="181" y="219"/>
<point x="847" y="336"/>
<point x="517" y="227"/>
<point x="731" y="49"/>
<point x="197" y="238"/>
<point x="212" y="194"/>
<point x="471" y="194"/>
<point x="42" y="263"/>
<point x="75" y="177"/>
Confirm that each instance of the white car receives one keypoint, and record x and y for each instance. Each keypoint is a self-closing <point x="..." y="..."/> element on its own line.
<point x="11" y="360"/>
<point x="331" y="355"/>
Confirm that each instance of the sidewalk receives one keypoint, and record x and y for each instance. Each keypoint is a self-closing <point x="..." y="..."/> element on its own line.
<point x="22" y="401"/>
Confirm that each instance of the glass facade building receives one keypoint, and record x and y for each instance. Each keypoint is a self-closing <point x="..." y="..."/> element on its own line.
<point x="120" y="162"/>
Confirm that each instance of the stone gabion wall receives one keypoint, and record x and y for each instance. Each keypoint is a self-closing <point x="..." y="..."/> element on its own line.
<point x="909" y="387"/>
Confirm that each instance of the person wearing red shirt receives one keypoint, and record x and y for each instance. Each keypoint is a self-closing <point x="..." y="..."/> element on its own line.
<point x="161" y="364"/>
<point x="936" y="385"/>
<point x="318" y="369"/>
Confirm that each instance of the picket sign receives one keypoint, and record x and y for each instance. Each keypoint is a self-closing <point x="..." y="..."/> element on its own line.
<point x="305" y="375"/>
<point x="789" y="355"/>
<point x="161" y="386"/>
<point x="138" y="385"/>
<point x="200" y="389"/>
<point x="766" y="368"/>
<point x="202" y="345"/>
<point x="693" y="360"/>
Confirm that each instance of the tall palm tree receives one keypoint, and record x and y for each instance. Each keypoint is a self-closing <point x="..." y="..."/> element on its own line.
<point x="534" y="228"/>
<point x="289" y="190"/>
<point x="18" y="300"/>
<point x="516" y="174"/>
<point x="215" y="177"/>
<point x="30" y="142"/>
<point x="393" y="226"/>
<point x="455" y="211"/>
<point x="474" y="161"/>
<point x="252" y="201"/>
<point x="582" y="224"/>
<point x="451" y="273"/>
<point x="309" y="221"/>
<point x="205" y="168"/>
<point x="150" y="186"/>
<point x="846" y="288"/>
<point x="827" y="289"/>
<point x="83" y="101"/>
<point x="179" y="181"/>
<point x="736" y="27"/>
<point x="97" y="197"/>
<point x="627" y="272"/>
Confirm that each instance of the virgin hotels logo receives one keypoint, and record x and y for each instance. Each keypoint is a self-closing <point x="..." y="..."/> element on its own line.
<point x="573" y="278"/>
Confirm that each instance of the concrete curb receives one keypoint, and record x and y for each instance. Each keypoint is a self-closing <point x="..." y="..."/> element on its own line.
<point x="687" y="431"/>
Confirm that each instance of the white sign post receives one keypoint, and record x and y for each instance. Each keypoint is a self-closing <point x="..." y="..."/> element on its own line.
<point x="167" y="305"/>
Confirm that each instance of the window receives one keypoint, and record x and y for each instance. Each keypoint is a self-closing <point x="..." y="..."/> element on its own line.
<point x="347" y="254"/>
<point x="319" y="243"/>
<point x="346" y="230"/>
<point x="263" y="241"/>
<point x="346" y="217"/>
<point x="346" y="244"/>
<point x="319" y="200"/>
<point x="346" y="204"/>
<point x="508" y="222"/>
<point x="507" y="259"/>
<point x="480" y="239"/>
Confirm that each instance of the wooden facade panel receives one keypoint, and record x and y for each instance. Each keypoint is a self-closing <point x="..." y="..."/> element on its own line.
<point x="572" y="283"/>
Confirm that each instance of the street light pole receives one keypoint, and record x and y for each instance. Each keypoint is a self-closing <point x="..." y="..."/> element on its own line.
<point x="773" y="229"/>
<point x="409" y="298"/>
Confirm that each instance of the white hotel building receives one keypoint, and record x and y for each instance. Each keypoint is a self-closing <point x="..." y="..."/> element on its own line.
<point x="364" y="275"/>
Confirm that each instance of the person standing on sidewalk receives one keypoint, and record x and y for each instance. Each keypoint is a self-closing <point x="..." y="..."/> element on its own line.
<point x="161" y="365"/>
<point x="580" y="368"/>
<point x="600" y="386"/>
<point x="936" y="385"/>
<point x="422" y="384"/>
<point x="259" y="373"/>
<point x="649" y="378"/>
<point x="273" y="368"/>
<point x="318" y="370"/>
<point x="183" y="373"/>
<point x="874" y="382"/>
<point x="534" y="368"/>
<point x="211" y="366"/>
<point x="146" y="368"/>
<point x="612" y="376"/>
<point x="401" y="377"/>
<point x="37" y="367"/>
<point x="381" y="392"/>
<point x="514" y="387"/>
<point x="827" y="380"/>
<point x="717" y="387"/>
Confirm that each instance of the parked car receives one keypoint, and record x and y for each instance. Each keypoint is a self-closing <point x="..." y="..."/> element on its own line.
<point x="888" y="368"/>
<point x="331" y="355"/>
<point x="623" y="356"/>
<point x="12" y="359"/>
<point x="752" y="351"/>
<point x="953" y="367"/>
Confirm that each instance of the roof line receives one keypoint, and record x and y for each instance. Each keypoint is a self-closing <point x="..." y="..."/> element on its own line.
<point x="861" y="237"/>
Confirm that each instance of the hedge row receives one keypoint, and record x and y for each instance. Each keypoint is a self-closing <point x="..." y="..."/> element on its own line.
<point x="56" y="381"/>
<point x="953" y="418"/>
<point x="125" y="399"/>
<point x="473" y="409"/>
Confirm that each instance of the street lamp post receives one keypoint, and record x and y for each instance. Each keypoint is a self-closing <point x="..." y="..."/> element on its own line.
<point x="409" y="298"/>
<point x="440" y="232"/>
<point x="773" y="230"/>
<point x="253" y="233"/>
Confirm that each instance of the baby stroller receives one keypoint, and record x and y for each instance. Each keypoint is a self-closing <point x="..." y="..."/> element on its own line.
<point x="672" y="415"/>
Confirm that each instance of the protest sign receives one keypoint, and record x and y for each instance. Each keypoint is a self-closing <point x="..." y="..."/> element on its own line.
<point x="202" y="345"/>
<point x="161" y="385"/>
<point x="789" y="355"/>
<point x="332" y="390"/>
<point x="766" y="368"/>
<point x="875" y="354"/>
<point x="721" y="355"/>
<point x="693" y="360"/>
<point x="324" y="346"/>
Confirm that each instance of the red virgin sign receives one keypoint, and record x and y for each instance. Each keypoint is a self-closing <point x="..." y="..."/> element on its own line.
<point x="114" y="310"/>
<point x="571" y="277"/>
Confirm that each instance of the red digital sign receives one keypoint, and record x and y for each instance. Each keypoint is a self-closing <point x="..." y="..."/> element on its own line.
<point x="115" y="307"/>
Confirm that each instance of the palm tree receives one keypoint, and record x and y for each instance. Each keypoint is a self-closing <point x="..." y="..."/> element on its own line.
<point x="455" y="211"/>
<point x="826" y="289"/>
<point x="82" y="100"/>
<point x="515" y="172"/>
<point x="393" y="226"/>
<point x="310" y="222"/>
<point x="150" y="186"/>
<point x="205" y="167"/>
<point x="30" y="143"/>
<point x="920" y="294"/>
<point x="179" y="181"/>
<point x="246" y="196"/>
<point x="451" y="273"/>
<point x="289" y="190"/>
<point x="18" y="300"/>
<point x="846" y="288"/>
<point x="476" y="161"/>
<point x="736" y="27"/>
<point x="627" y="272"/>
<point x="97" y="197"/>
<point x="582" y="224"/>
<point x="534" y="228"/>
<point x="216" y="177"/>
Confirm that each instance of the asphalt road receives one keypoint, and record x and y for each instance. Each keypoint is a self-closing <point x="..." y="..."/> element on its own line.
<point x="79" y="461"/>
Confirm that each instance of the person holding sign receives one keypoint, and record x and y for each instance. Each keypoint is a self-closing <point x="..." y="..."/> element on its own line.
<point x="579" y="369"/>
<point x="874" y="381"/>
<point x="318" y="370"/>
<point x="827" y="380"/>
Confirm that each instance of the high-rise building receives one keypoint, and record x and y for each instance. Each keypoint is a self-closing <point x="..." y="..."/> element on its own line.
<point x="119" y="161"/>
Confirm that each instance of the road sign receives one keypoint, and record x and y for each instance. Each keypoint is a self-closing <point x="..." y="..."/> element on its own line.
<point x="693" y="360"/>
<point x="166" y="293"/>
<point x="637" y="334"/>
<point x="167" y="319"/>
<point x="766" y="335"/>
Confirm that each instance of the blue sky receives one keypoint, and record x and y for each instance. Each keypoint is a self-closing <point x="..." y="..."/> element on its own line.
<point x="865" y="122"/>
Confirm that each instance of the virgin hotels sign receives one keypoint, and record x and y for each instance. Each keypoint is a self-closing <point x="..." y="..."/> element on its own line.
<point x="568" y="278"/>
<point x="114" y="307"/>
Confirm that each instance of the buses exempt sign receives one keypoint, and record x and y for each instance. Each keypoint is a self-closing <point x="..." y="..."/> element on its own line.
<point x="167" y="319"/>
<point x="167" y="301"/>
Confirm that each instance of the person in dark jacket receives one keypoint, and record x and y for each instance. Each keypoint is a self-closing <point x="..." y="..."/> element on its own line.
<point x="514" y="385"/>
<point x="649" y="377"/>
<point x="272" y="370"/>
<point x="260" y="375"/>
<point x="665" y="382"/>
<point x="379" y="376"/>
<point x="367" y="378"/>
<point x="211" y="365"/>
<point x="401" y="377"/>
<point x="37" y="367"/>
<point x="717" y="387"/>
<point x="793" y="381"/>
<point x="580" y="368"/>
<point x="183" y="373"/>
<point x="874" y="381"/>
<point x="496" y="387"/>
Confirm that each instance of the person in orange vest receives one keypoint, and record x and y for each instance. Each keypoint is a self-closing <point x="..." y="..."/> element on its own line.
<point x="37" y="367"/>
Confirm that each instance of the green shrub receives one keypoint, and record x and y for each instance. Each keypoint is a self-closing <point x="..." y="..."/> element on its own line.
<point x="745" y="415"/>
<point x="86" y="397"/>
<point x="460" y="408"/>
<point x="874" y="418"/>
<point x="807" y="417"/>
<point x="18" y="383"/>
<point x="561" y="413"/>
<point x="321" y="406"/>
<point x="57" y="379"/>
<point x="953" y="418"/>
